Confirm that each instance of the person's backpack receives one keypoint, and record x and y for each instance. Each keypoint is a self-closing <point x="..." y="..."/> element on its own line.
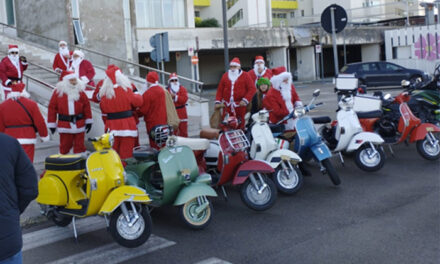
<point x="172" y="117"/>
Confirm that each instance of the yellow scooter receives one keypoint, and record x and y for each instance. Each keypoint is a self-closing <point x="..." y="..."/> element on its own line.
<point x="73" y="186"/>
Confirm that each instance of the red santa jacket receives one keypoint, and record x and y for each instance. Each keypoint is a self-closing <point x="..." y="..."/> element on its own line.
<point x="267" y="73"/>
<point x="60" y="62"/>
<point x="9" y="73"/>
<point x="86" y="72"/>
<point x="15" y="122"/>
<point x="241" y="89"/>
<point x="180" y="102"/>
<point x="274" y="102"/>
<point x="154" y="108"/>
<point x="62" y="106"/>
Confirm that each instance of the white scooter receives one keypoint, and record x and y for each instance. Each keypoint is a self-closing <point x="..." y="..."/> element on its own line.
<point x="345" y="134"/>
<point x="287" y="176"/>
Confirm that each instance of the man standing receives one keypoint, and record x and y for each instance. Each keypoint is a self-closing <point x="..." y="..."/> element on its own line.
<point x="17" y="189"/>
<point x="71" y="106"/>
<point x="20" y="118"/>
<point x="235" y="91"/>
<point x="259" y="70"/>
<point x="282" y="99"/>
<point x="180" y="98"/>
<point x="118" y="101"/>
<point x="11" y="69"/>
<point x="62" y="61"/>
<point x="83" y="69"/>
<point x="154" y="106"/>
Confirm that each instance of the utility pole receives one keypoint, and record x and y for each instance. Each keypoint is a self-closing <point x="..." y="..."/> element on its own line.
<point x="225" y="36"/>
<point x="335" y="49"/>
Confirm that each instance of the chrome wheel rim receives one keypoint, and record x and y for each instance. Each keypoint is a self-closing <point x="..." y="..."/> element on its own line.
<point x="255" y="197"/>
<point x="288" y="179"/>
<point x="127" y="232"/>
<point x="367" y="159"/>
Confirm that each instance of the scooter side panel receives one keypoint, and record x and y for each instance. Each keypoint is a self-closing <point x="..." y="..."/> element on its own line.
<point x="420" y="132"/>
<point x="306" y="135"/>
<point x="364" y="137"/>
<point x="52" y="191"/>
<point x="262" y="137"/>
<point x="320" y="151"/>
<point x="249" y="167"/>
<point x="122" y="194"/>
<point x="192" y="191"/>
<point x="275" y="157"/>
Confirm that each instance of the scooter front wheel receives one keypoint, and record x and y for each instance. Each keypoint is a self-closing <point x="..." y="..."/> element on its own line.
<point x="428" y="150"/>
<point x="258" y="192"/>
<point x="365" y="159"/>
<point x="132" y="234"/>
<point x="288" y="180"/>
<point x="330" y="170"/>
<point x="194" y="218"/>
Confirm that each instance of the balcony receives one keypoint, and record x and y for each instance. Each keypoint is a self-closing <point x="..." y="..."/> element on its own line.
<point x="284" y="4"/>
<point x="202" y="3"/>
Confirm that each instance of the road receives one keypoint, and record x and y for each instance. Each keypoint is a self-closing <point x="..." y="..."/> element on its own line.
<point x="390" y="216"/>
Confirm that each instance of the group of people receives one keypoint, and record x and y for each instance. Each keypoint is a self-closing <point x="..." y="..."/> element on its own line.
<point x="69" y="111"/>
<point x="240" y="92"/>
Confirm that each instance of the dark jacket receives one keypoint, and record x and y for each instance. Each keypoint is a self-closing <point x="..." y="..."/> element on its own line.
<point x="18" y="187"/>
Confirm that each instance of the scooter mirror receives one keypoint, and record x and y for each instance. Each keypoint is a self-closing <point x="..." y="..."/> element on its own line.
<point x="405" y="83"/>
<point x="387" y="96"/>
<point x="316" y="93"/>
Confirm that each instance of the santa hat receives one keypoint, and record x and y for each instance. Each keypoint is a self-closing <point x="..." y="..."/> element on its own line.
<point x="12" y="48"/>
<point x="173" y="76"/>
<point x="79" y="53"/>
<point x="235" y="62"/>
<point x="152" y="77"/>
<point x="111" y="73"/>
<point x="17" y="90"/>
<point x="278" y="70"/>
<point x="67" y="75"/>
<point x="259" y="59"/>
<point x="279" y="75"/>
<point x="18" y="87"/>
<point x="62" y="42"/>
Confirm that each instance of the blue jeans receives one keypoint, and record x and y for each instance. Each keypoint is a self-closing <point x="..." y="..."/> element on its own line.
<point x="16" y="259"/>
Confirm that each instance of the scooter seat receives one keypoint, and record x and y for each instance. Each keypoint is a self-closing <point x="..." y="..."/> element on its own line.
<point x="210" y="133"/>
<point x="65" y="162"/>
<point x="193" y="143"/>
<point x="144" y="153"/>
<point x="321" y="119"/>
<point x="370" y="114"/>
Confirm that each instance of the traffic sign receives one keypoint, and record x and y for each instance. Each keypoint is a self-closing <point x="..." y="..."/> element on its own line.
<point x="194" y="60"/>
<point x="318" y="48"/>
<point x="340" y="16"/>
<point x="159" y="43"/>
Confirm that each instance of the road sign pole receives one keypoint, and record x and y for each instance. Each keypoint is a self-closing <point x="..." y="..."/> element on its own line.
<point x="161" y="59"/>
<point x="225" y="36"/>
<point x="335" y="50"/>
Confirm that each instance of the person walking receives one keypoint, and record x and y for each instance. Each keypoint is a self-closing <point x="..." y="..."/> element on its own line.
<point x="11" y="70"/>
<point x="180" y="98"/>
<point x="259" y="70"/>
<point x="63" y="59"/>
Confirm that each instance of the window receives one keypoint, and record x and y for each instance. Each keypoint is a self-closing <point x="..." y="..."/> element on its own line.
<point x="230" y="3"/>
<point x="197" y="13"/>
<point x="302" y="13"/>
<point x="392" y="67"/>
<point x="235" y="18"/>
<point x="9" y="5"/>
<point x="292" y="14"/>
<point x="79" y="38"/>
<point x="394" y="52"/>
<point x="160" y="13"/>
<point x="369" y="67"/>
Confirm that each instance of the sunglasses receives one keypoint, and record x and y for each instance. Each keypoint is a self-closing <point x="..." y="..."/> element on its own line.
<point x="13" y="52"/>
<point x="173" y="81"/>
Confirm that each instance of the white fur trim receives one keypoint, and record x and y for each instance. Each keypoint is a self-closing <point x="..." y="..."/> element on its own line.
<point x="24" y="63"/>
<point x="234" y="64"/>
<point x="89" y="121"/>
<point x="84" y="79"/>
<point x="52" y="125"/>
<point x="69" y="76"/>
<point x="71" y="130"/>
<point x="45" y="139"/>
<point x="246" y="101"/>
<point x="8" y="89"/>
<point x="218" y="102"/>
<point x="13" y="95"/>
<point x="175" y="99"/>
<point x="27" y="141"/>
<point x="259" y="61"/>
<point x="278" y="79"/>
<point x="13" y="50"/>
<point x="8" y="82"/>
<point x="79" y="53"/>
<point x="125" y="133"/>
<point x="62" y="42"/>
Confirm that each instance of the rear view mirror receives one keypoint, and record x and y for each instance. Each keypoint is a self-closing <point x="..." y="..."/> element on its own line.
<point x="405" y="83"/>
<point x="316" y="93"/>
<point x="387" y="96"/>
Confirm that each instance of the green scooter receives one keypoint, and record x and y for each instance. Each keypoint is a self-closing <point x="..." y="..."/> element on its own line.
<point x="171" y="176"/>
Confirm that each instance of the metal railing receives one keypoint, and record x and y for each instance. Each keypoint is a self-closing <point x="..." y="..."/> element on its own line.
<point x="198" y="84"/>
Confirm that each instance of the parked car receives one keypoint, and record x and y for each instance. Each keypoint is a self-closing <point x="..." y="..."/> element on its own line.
<point x="382" y="73"/>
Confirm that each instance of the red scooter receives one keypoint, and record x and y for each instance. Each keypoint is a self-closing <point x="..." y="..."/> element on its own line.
<point x="398" y="123"/>
<point x="228" y="161"/>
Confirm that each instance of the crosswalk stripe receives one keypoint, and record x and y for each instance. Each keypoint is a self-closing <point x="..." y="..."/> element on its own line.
<point x="114" y="253"/>
<point x="213" y="261"/>
<point x="55" y="233"/>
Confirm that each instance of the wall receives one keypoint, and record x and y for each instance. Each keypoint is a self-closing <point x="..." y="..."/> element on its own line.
<point x="370" y="52"/>
<point x="212" y="11"/>
<point x="306" y="63"/>
<point x="57" y="25"/>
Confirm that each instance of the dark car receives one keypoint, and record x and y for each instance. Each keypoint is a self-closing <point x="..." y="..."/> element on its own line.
<point x="382" y="73"/>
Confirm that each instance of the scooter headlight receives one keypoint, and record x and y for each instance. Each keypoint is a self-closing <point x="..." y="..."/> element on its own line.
<point x="300" y="111"/>
<point x="111" y="139"/>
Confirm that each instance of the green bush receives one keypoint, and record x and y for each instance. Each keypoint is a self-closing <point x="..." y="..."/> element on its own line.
<point x="210" y="22"/>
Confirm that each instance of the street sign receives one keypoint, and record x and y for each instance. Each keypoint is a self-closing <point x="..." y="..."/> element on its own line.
<point x="318" y="48"/>
<point x="160" y="51"/>
<point x="340" y="16"/>
<point x="194" y="60"/>
<point x="190" y="51"/>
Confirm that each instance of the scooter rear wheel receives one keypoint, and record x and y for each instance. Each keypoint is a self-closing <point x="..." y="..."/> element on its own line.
<point x="330" y="170"/>
<point x="255" y="201"/>
<point x="191" y="218"/>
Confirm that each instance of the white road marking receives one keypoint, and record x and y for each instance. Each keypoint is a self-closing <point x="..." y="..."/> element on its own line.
<point x="114" y="253"/>
<point x="213" y="261"/>
<point x="55" y="233"/>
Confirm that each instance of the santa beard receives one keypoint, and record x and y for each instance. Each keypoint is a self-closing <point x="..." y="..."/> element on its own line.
<point x="75" y="65"/>
<point x="175" y="86"/>
<point x="233" y="75"/>
<point x="72" y="91"/>
<point x="286" y="93"/>
<point x="64" y="52"/>
<point x="258" y="68"/>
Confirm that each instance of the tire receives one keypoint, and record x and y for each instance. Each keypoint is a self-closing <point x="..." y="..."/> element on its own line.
<point x="255" y="201"/>
<point x="191" y="219"/>
<point x="426" y="150"/>
<point x="288" y="185"/>
<point x="365" y="163"/>
<point x="330" y="170"/>
<point x="130" y="238"/>
<point x="60" y="219"/>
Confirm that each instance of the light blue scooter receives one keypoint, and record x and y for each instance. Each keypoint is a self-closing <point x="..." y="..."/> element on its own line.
<point x="308" y="143"/>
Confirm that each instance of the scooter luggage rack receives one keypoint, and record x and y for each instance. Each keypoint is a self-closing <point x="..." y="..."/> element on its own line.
<point x="237" y="140"/>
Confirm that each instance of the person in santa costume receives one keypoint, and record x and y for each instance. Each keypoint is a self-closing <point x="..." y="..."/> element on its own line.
<point x="70" y="106"/>
<point x="154" y="108"/>
<point x="118" y="101"/>
<point x="21" y="118"/>
<point x="282" y="98"/>
<point x="63" y="59"/>
<point x="259" y="70"/>
<point x="83" y="69"/>
<point x="180" y="97"/>
<point x="234" y="92"/>
<point x="11" y="70"/>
